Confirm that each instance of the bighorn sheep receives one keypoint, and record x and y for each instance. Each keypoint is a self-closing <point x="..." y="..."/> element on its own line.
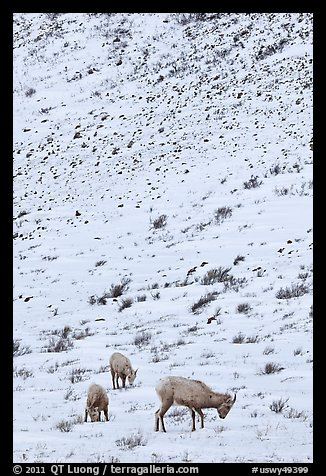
<point x="121" y="367"/>
<point x="192" y="394"/>
<point x="97" y="401"/>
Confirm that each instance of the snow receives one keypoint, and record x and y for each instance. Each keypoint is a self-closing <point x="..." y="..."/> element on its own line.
<point x="183" y="117"/>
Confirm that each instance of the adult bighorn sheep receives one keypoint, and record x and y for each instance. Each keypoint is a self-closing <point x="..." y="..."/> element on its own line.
<point x="97" y="401"/>
<point x="192" y="394"/>
<point x="121" y="367"/>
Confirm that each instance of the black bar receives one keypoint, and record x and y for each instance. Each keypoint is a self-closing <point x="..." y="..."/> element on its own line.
<point x="140" y="469"/>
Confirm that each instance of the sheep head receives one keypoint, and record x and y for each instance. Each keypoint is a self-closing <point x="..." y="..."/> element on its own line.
<point x="132" y="376"/>
<point x="94" y="413"/>
<point x="226" y="406"/>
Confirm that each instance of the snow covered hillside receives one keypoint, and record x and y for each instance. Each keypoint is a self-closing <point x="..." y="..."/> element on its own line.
<point x="163" y="209"/>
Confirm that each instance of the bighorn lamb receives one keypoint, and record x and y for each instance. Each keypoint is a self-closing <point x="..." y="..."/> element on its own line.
<point x="192" y="394"/>
<point x="97" y="401"/>
<point x="121" y="367"/>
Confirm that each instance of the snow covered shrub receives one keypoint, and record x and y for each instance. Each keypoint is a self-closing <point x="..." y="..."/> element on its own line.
<point x="207" y="354"/>
<point x="281" y="192"/>
<point x="252" y="182"/>
<point x="22" y="213"/>
<point x="156" y="296"/>
<point x="156" y="458"/>
<point x="82" y="334"/>
<point x="78" y="375"/>
<point x="305" y="189"/>
<point x="100" y="263"/>
<point x="49" y="258"/>
<point x="30" y="92"/>
<point x="60" y="342"/>
<point x="102" y="369"/>
<point x="267" y="50"/>
<point x="185" y="18"/>
<point x="92" y="300"/>
<point x="125" y="303"/>
<point x="252" y="339"/>
<point x="292" y="413"/>
<point x="275" y="169"/>
<point x="64" y="333"/>
<point x="20" y="350"/>
<point x="158" y="358"/>
<point x="132" y="441"/>
<point x="271" y="368"/>
<point x="179" y="342"/>
<point x="161" y="353"/>
<point x="238" y="339"/>
<point x="296" y="290"/>
<point x="298" y="351"/>
<point x="159" y="222"/>
<point x="221" y="214"/>
<point x="216" y="275"/>
<point x="23" y="373"/>
<point x="100" y="299"/>
<point x="203" y="301"/>
<point x="234" y="284"/>
<point x="142" y="338"/>
<point x="178" y="414"/>
<point x="238" y="259"/>
<point x="141" y="298"/>
<point x="244" y="308"/>
<point x="64" y="426"/>
<point x="219" y="429"/>
<point x="53" y="368"/>
<point x="311" y="313"/>
<point x="70" y="395"/>
<point x="67" y="425"/>
<point x="303" y="276"/>
<point x="52" y="16"/>
<point x="117" y="290"/>
<point x="153" y="286"/>
<point x="201" y="226"/>
<point x="278" y="406"/>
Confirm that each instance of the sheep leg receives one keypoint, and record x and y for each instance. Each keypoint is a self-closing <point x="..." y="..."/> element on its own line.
<point x="162" y="423"/>
<point x="157" y="421"/>
<point x="106" y="414"/>
<point x="113" y="375"/>
<point x="159" y="418"/>
<point x="162" y="411"/>
<point x="123" y="378"/>
<point x="193" y="419"/>
<point x="85" y="415"/>
<point x="117" y="381"/>
<point x="200" y="413"/>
